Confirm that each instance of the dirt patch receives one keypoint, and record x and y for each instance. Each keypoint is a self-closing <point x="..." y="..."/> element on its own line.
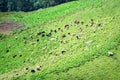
<point x="8" y="26"/>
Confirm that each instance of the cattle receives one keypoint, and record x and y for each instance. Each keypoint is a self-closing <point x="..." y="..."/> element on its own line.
<point x="68" y="33"/>
<point x="91" y="22"/>
<point x="16" y="38"/>
<point x="63" y="51"/>
<point x="24" y="38"/>
<point x="7" y="51"/>
<point x="110" y="54"/>
<point x="59" y="29"/>
<point x="26" y="68"/>
<point x="55" y="31"/>
<point x="66" y="26"/>
<point x="43" y="32"/>
<point x="51" y="30"/>
<point x="43" y="35"/>
<point x="20" y="55"/>
<point x="61" y="41"/>
<point x="17" y="74"/>
<point x="33" y="71"/>
<point x="24" y="61"/>
<point x="74" y="34"/>
<point x="39" y="33"/>
<point x="82" y="22"/>
<point x="81" y="29"/>
<point x="31" y="36"/>
<point x="14" y="56"/>
<point x="77" y="36"/>
<point x="53" y="39"/>
<point x="63" y="36"/>
<point x="76" y="22"/>
<point x="38" y="68"/>
<point x="86" y="25"/>
<point x="99" y="25"/>
<point x="25" y="42"/>
<point x="48" y="35"/>
<point x="37" y="40"/>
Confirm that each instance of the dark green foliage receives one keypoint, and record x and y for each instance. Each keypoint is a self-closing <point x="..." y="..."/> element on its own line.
<point x="27" y="5"/>
<point x="2" y="36"/>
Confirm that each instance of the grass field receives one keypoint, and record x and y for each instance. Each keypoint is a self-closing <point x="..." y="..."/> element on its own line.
<point x="72" y="41"/>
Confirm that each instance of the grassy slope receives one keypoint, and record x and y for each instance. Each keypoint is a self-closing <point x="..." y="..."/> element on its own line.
<point x="44" y="15"/>
<point x="81" y="61"/>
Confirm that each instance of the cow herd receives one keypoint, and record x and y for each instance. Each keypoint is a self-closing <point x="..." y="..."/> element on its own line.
<point x="53" y="32"/>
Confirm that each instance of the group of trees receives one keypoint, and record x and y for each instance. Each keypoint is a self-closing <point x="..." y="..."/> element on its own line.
<point x="27" y="5"/>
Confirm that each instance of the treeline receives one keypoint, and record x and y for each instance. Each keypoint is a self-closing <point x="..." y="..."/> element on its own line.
<point x="27" y="5"/>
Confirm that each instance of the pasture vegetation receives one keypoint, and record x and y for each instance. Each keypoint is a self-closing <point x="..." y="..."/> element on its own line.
<point x="79" y="40"/>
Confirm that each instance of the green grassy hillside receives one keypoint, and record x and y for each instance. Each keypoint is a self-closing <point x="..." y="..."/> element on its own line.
<point x="79" y="40"/>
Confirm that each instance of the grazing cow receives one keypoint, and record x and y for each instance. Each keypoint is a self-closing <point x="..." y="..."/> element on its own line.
<point x="20" y="55"/>
<point x="63" y="51"/>
<point x="38" y="68"/>
<point x="59" y="29"/>
<point x="51" y="30"/>
<point x="7" y="51"/>
<point x="15" y="56"/>
<point x="43" y="32"/>
<point x="65" y="41"/>
<point x="33" y="71"/>
<point x="24" y="61"/>
<point x="16" y="38"/>
<point x="48" y="35"/>
<point x="53" y="39"/>
<point x="68" y="33"/>
<point x="86" y="25"/>
<point x="81" y="29"/>
<point x="39" y="33"/>
<point x="78" y="36"/>
<point x="25" y="42"/>
<point x="99" y="25"/>
<point x="66" y="26"/>
<point x="82" y="22"/>
<point x="17" y="74"/>
<point x="55" y="31"/>
<point x="61" y="41"/>
<point x="31" y="36"/>
<point x="24" y="38"/>
<point x="76" y="22"/>
<point x="73" y="34"/>
<point x="63" y="36"/>
<point x="37" y="40"/>
<point x="91" y="22"/>
<point x="26" y="68"/>
<point x="110" y="54"/>
<point x="43" y="35"/>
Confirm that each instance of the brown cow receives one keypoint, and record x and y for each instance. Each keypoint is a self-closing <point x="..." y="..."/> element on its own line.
<point x="66" y="26"/>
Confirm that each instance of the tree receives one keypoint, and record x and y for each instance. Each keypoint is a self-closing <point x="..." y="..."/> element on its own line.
<point x="27" y="5"/>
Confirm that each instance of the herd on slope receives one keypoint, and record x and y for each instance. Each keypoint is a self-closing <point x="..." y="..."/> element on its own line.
<point x="55" y="31"/>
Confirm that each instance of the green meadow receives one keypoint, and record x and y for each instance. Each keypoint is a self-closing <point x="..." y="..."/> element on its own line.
<point x="78" y="40"/>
